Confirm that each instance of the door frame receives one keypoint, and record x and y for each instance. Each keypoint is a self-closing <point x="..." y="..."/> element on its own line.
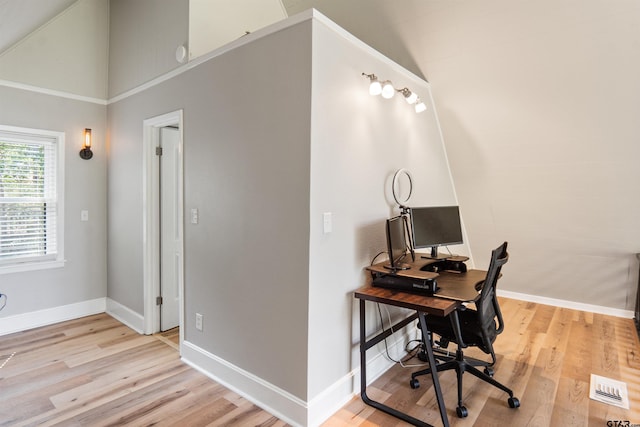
<point x="151" y="220"/>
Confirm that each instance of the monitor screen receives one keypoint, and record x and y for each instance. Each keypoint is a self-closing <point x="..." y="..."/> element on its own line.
<point x="436" y="226"/>
<point x="396" y="243"/>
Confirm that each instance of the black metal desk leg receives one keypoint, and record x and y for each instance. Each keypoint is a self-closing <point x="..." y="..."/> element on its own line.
<point x="434" y="371"/>
<point x="363" y="354"/>
<point x="364" y="346"/>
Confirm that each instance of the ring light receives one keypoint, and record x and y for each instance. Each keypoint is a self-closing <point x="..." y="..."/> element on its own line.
<point x="396" y="178"/>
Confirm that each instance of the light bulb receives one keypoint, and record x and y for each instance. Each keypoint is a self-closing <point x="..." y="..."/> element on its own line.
<point x="87" y="138"/>
<point x="375" y="88"/>
<point x="411" y="98"/>
<point x="387" y="90"/>
<point x="420" y="107"/>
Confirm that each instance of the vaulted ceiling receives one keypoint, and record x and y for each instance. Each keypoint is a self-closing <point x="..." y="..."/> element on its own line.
<point x="539" y="106"/>
<point x="18" y="18"/>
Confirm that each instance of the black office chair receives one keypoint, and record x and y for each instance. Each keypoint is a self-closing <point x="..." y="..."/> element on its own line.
<point x="468" y="327"/>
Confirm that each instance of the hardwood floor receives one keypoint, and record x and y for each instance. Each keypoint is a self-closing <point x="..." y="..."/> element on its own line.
<point x="95" y="371"/>
<point x="545" y="355"/>
<point x="170" y="337"/>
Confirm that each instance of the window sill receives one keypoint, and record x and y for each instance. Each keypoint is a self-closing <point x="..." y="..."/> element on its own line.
<point x="31" y="266"/>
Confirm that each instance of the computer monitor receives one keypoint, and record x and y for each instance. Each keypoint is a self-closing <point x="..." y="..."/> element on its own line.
<point x="396" y="243"/>
<point x="435" y="226"/>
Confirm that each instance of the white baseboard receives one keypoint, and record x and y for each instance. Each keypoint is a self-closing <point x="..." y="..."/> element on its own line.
<point x="49" y="316"/>
<point x="281" y="403"/>
<point x="125" y="315"/>
<point x="627" y="314"/>
<point x="334" y="397"/>
<point x="271" y="398"/>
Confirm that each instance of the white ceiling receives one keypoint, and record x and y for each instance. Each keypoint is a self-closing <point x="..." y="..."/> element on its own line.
<point x="20" y="17"/>
<point x="383" y="24"/>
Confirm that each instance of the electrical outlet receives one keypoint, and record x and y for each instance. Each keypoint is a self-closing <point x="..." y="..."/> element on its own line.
<point x="199" y="319"/>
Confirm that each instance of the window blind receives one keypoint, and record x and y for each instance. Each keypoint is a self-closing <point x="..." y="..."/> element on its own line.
<point x="28" y="198"/>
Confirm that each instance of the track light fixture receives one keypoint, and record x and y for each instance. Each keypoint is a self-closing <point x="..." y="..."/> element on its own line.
<point x="375" y="87"/>
<point x="409" y="96"/>
<point x="386" y="89"/>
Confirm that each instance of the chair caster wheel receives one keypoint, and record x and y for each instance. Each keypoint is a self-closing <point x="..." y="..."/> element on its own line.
<point x="489" y="371"/>
<point x="414" y="383"/>
<point x="461" y="412"/>
<point x="513" y="402"/>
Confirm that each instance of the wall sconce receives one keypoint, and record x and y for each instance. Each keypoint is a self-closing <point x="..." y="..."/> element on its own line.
<point x="387" y="91"/>
<point x="86" y="152"/>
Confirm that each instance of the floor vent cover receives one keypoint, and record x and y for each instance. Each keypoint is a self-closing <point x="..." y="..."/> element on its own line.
<point x="609" y="391"/>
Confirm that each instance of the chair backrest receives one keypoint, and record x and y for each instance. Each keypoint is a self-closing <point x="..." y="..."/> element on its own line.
<point x="487" y="306"/>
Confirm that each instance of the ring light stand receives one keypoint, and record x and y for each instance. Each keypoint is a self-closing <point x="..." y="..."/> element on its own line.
<point x="405" y="211"/>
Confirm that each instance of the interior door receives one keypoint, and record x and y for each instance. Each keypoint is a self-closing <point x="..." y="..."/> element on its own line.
<point x="170" y="262"/>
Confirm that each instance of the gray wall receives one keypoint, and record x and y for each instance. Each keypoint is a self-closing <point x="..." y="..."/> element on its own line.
<point x="83" y="276"/>
<point x="246" y="149"/>
<point x="143" y="37"/>
<point x="266" y="153"/>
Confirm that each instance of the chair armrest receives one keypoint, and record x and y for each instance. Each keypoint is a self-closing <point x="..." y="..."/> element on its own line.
<point x="496" y="308"/>
<point x="455" y="324"/>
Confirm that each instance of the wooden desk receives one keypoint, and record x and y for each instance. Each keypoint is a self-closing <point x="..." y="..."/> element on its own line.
<point x="453" y="286"/>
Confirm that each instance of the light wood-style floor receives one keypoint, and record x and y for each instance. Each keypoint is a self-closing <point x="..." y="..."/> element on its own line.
<point x="95" y="371"/>
<point x="546" y="355"/>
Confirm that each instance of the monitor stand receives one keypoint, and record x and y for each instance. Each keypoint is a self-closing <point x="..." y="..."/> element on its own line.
<point x="434" y="254"/>
<point x="399" y="266"/>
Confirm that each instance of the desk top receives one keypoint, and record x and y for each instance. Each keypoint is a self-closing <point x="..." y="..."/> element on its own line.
<point x="451" y="285"/>
<point x="426" y="304"/>
<point x="460" y="287"/>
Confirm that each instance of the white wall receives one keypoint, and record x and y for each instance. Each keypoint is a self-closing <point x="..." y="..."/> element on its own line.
<point x="539" y="111"/>
<point x="357" y="143"/>
<point x="214" y="24"/>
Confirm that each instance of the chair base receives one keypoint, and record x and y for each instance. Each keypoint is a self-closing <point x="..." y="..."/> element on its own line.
<point x="461" y="365"/>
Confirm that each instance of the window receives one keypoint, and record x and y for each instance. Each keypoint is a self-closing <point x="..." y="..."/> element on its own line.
<point x="31" y="202"/>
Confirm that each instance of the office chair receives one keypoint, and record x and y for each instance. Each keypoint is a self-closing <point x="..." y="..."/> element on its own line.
<point x="467" y="327"/>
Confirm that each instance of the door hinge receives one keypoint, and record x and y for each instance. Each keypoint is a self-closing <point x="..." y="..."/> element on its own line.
<point x="158" y="300"/>
<point x="158" y="151"/>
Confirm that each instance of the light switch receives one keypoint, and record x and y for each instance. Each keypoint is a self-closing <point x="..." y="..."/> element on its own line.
<point x="84" y="215"/>
<point x="199" y="319"/>
<point x="194" y="216"/>
<point x="327" y="225"/>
